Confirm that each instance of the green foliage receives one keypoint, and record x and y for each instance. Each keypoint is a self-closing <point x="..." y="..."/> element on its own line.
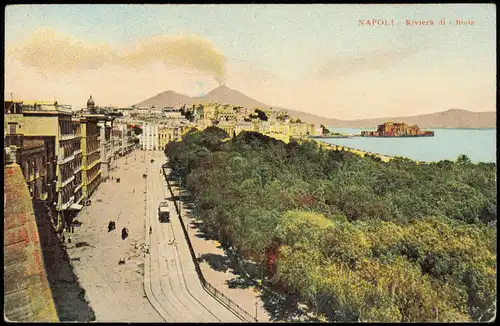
<point x="137" y="130"/>
<point x="261" y="114"/>
<point x="356" y="238"/>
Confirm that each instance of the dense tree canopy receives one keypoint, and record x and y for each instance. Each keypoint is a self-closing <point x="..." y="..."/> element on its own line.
<point x="358" y="239"/>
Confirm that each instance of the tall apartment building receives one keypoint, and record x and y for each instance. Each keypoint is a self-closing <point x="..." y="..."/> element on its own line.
<point x="105" y="126"/>
<point x="127" y="138"/>
<point x="46" y="120"/>
<point x="77" y="164"/>
<point x="91" y="154"/>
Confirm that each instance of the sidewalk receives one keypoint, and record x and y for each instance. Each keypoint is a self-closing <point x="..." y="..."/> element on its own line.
<point x="115" y="292"/>
<point x="216" y="267"/>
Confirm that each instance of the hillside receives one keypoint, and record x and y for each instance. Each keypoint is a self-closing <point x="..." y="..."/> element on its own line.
<point x="454" y="118"/>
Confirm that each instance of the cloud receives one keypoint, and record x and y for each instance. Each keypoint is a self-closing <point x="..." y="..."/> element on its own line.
<point x="52" y="52"/>
<point x="377" y="59"/>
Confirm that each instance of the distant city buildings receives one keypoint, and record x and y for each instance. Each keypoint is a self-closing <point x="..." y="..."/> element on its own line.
<point x="64" y="155"/>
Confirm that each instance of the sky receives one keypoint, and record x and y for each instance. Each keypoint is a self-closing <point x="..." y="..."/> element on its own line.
<point x="322" y="59"/>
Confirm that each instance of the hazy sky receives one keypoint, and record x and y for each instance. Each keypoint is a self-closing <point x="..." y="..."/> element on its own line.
<point x="313" y="58"/>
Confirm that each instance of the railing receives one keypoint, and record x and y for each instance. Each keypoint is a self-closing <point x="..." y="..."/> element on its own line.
<point x="48" y="108"/>
<point x="66" y="159"/>
<point x="67" y="136"/>
<point x="65" y="182"/>
<point x="231" y="305"/>
<point x="68" y="203"/>
<point x="93" y="151"/>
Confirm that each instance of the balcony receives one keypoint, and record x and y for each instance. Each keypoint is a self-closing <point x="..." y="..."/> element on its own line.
<point x="67" y="136"/>
<point x="77" y="151"/>
<point x="94" y="177"/>
<point x="67" y="204"/>
<point x="93" y="164"/>
<point x="67" y="181"/>
<point x="79" y="200"/>
<point x="78" y="169"/>
<point x="78" y="187"/>
<point x="66" y="160"/>
<point x="98" y="149"/>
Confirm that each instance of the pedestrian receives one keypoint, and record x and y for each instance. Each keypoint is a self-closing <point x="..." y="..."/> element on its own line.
<point x="110" y="226"/>
<point x="69" y="239"/>
<point x="150" y="230"/>
<point x="72" y="228"/>
<point x="124" y="233"/>
<point x="63" y="238"/>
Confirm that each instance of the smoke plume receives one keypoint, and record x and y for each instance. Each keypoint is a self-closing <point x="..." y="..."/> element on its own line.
<point x="51" y="52"/>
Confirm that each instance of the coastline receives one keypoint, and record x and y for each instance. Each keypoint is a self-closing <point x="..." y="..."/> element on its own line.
<point x="383" y="158"/>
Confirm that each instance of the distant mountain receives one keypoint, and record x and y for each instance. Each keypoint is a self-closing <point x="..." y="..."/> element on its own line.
<point x="454" y="118"/>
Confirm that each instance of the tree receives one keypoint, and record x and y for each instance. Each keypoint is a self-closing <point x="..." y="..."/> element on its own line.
<point x="261" y="114"/>
<point x="463" y="160"/>
<point x="137" y="130"/>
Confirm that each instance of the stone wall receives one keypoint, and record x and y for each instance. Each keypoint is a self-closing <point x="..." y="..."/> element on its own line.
<point x="27" y="295"/>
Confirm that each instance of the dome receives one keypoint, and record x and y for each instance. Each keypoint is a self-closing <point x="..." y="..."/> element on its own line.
<point x="90" y="101"/>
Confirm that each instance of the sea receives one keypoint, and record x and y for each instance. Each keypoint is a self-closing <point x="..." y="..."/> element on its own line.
<point x="447" y="144"/>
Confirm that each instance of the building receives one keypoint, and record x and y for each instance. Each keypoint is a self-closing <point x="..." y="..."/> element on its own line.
<point x="35" y="156"/>
<point x="50" y="120"/>
<point x="105" y="124"/>
<point x="228" y="127"/>
<point x="172" y="113"/>
<point x="126" y="111"/>
<point x="171" y="132"/>
<point x="243" y="126"/>
<point x="149" y="137"/>
<point x="77" y="164"/>
<point x="155" y="111"/>
<point x="91" y="154"/>
<point x="142" y="109"/>
<point x="128" y="141"/>
<point x="299" y="129"/>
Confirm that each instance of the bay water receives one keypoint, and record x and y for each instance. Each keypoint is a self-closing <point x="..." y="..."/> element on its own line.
<point x="447" y="144"/>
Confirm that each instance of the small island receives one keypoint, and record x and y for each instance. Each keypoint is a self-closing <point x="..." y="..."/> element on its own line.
<point x="390" y="129"/>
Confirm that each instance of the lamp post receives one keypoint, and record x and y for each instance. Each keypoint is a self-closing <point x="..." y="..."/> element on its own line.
<point x="256" y="305"/>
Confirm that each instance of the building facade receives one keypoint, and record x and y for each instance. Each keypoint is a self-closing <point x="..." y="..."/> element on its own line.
<point x="50" y="120"/>
<point x="91" y="155"/>
<point x="149" y="137"/>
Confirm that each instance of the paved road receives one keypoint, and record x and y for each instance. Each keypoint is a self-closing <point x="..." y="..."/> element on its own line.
<point x="115" y="292"/>
<point x="170" y="280"/>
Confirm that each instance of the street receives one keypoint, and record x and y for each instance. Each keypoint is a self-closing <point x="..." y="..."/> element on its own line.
<point x="158" y="286"/>
<point x="171" y="282"/>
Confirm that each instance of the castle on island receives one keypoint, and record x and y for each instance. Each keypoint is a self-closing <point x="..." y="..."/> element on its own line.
<point x="390" y="129"/>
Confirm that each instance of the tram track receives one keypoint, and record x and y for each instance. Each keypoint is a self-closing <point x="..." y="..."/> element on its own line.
<point x="153" y="298"/>
<point x="166" y="275"/>
<point x="194" y="302"/>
